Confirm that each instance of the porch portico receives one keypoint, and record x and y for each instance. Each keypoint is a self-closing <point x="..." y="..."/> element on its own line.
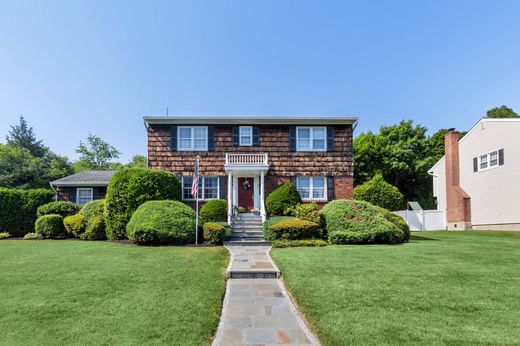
<point x="245" y="187"/>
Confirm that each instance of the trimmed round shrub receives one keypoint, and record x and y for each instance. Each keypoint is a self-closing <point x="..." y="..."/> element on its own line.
<point x="93" y="209"/>
<point x="305" y="211"/>
<point x="161" y="222"/>
<point x="378" y="192"/>
<point x="18" y="209"/>
<point x="62" y="208"/>
<point x="359" y="222"/>
<point x="74" y="225"/>
<point x="32" y="236"/>
<point x="50" y="226"/>
<point x="294" y="229"/>
<point x="4" y="235"/>
<point x="283" y="197"/>
<point x="131" y="187"/>
<point x="214" y="211"/>
<point x="95" y="229"/>
<point x="216" y="232"/>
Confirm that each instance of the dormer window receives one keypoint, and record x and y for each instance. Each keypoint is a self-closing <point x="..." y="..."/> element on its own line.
<point x="246" y="135"/>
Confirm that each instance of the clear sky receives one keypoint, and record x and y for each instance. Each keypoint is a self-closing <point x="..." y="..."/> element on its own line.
<point x="73" y="67"/>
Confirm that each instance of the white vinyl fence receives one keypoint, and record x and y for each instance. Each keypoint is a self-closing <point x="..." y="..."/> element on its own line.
<point x="424" y="220"/>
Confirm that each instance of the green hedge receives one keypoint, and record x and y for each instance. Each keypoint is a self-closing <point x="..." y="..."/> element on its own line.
<point x="50" y="226"/>
<point x="378" y="192"/>
<point x="281" y="243"/>
<point x="216" y="232"/>
<point x="18" y="209"/>
<point x="305" y="211"/>
<point x="282" y="198"/>
<point x="159" y="222"/>
<point x="294" y="229"/>
<point x="214" y="211"/>
<point x="63" y="208"/>
<point x="359" y="222"/>
<point x="131" y="187"/>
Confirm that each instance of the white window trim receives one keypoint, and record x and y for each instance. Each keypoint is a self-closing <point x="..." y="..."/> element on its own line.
<point x="84" y="189"/>
<point x="250" y="136"/>
<point x="192" y="146"/>
<point x="311" y="139"/>
<point x="488" y="156"/>
<point x="203" y="198"/>
<point x="311" y="188"/>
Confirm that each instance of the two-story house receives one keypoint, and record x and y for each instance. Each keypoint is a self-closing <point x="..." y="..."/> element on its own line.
<point x="243" y="158"/>
<point x="476" y="181"/>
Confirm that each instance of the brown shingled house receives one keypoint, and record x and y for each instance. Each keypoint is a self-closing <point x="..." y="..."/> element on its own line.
<point x="243" y="158"/>
<point x="82" y="187"/>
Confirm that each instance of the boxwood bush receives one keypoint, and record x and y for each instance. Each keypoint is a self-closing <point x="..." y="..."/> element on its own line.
<point x="63" y="208"/>
<point x="283" y="197"/>
<point x="216" y="232"/>
<point x="160" y="222"/>
<point x="131" y="187"/>
<point x="359" y="222"/>
<point x="74" y="225"/>
<point x="95" y="229"/>
<point x="214" y="211"/>
<point x="305" y="211"/>
<point x="18" y="209"/>
<point x="378" y="192"/>
<point x="32" y="236"/>
<point x="294" y="229"/>
<point x="50" y="226"/>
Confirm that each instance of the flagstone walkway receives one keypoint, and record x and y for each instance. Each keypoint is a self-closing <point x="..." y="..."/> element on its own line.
<point x="258" y="311"/>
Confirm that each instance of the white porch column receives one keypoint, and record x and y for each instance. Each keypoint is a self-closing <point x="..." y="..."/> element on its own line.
<point x="262" y="193"/>
<point x="230" y="196"/>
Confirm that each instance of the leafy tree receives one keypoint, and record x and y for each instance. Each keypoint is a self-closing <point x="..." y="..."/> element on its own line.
<point x="402" y="154"/>
<point x="95" y="154"/>
<point x="139" y="161"/>
<point x="436" y="143"/>
<point x="22" y="136"/>
<point x="501" y="112"/>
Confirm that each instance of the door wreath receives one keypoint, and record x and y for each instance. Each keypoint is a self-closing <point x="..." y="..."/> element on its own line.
<point x="246" y="185"/>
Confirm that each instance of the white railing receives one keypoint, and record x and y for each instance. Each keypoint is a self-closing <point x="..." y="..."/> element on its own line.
<point x="246" y="159"/>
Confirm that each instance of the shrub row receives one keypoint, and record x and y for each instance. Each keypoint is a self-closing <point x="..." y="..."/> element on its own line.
<point x="18" y="209"/>
<point x="298" y="243"/>
<point x="291" y="228"/>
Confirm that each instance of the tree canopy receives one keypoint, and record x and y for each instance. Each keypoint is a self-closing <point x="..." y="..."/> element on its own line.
<point x="95" y="153"/>
<point x="501" y="112"/>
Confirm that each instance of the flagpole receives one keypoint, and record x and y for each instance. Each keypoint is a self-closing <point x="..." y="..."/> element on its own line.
<point x="197" y="203"/>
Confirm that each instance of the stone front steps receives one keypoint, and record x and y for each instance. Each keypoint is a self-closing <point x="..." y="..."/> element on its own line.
<point x="247" y="230"/>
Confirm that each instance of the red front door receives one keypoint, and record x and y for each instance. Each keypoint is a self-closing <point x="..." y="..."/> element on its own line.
<point x="245" y="193"/>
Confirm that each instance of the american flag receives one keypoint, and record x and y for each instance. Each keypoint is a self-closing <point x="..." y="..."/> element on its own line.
<point x="195" y="185"/>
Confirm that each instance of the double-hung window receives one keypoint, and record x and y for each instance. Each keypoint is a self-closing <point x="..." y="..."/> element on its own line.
<point x="192" y="138"/>
<point x="311" y="188"/>
<point x="246" y="135"/>
<point x="84" y="195"/>
<point x="208" y="188"/>
<point x="489" y="160"/>
<point x="311" y="138"/>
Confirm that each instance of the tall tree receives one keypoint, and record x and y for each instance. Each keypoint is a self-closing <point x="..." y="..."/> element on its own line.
<point x="95" y="153"/>
<point x="401" y="153"/>
<point x="22" y="136"/>
<point x="138" y="161"/>
<point x="501" y="112"/>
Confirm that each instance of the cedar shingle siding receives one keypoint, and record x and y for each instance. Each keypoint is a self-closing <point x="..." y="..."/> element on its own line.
<point x="273" y="140"/>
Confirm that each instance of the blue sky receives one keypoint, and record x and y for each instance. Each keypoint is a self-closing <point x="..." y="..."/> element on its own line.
<point x="74" y="67"/>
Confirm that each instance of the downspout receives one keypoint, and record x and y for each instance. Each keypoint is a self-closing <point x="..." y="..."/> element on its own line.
<point x="55" y="192"/>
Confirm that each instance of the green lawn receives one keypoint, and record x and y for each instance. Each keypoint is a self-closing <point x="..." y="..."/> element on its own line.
<point x="441" y="288"/>
<point x="100" y="293"/>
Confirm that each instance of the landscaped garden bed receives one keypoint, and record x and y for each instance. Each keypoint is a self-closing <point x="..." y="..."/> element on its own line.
<point x="102" y="293"/>
<point x="440" y="288"/>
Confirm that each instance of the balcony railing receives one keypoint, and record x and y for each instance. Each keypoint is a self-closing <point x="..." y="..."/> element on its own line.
<point x="246" y="159"/>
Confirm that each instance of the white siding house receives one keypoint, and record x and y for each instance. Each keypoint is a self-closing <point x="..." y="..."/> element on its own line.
<point x="489" y="167"/>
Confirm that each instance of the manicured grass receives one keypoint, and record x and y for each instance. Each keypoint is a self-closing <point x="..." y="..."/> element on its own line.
<point x="441" y="288"/>
<point x="100" y="293"/>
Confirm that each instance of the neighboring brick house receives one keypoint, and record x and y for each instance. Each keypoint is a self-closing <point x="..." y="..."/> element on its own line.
<point x="243" y="158"/>
<point x="82" y="187"/>
<point x="476" y="181"/>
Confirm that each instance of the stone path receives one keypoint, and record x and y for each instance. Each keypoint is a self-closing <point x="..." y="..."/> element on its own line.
<point x="258" y="310"/>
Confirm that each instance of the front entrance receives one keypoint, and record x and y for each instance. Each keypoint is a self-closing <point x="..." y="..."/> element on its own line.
<point x="246" y="193"/>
